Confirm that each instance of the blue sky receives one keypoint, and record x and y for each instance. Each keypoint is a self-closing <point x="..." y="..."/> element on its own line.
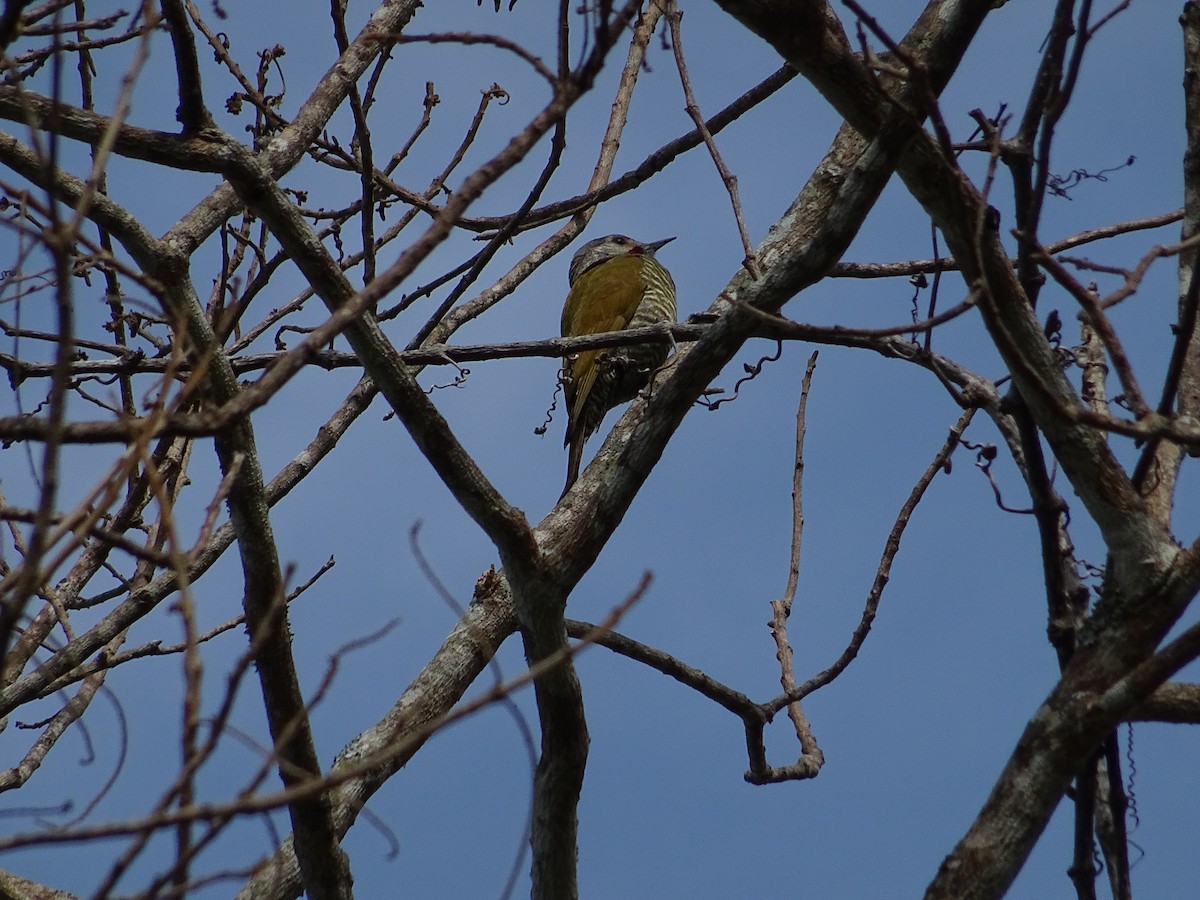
<point x="914" y="733"/>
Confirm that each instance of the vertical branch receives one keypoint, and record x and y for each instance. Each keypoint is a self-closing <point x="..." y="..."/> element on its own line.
<point x="1111" y="805"/>
<point x="781" y="609"/>
<point x="361" y="143"/>
<point x="192" y="114"/>
<point x="1158" y="468"/>
<point x="1029" y="166"/>
<point x="789" y="594"/>
<point x="1066" y="597"/>
<point x="323" y="863"/>
<point x="1083" y="867"/>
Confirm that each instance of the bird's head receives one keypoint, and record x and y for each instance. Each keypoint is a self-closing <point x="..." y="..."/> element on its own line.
<point x="608" y="247"/>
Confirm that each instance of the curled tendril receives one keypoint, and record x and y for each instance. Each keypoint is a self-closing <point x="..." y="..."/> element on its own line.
<point x="752" y="372"/>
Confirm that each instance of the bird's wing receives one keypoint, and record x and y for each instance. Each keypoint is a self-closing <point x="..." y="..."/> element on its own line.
<point x="613" y="291"/>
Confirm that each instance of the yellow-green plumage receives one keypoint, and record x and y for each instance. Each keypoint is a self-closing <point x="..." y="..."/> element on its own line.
<point x="616" y="283"/>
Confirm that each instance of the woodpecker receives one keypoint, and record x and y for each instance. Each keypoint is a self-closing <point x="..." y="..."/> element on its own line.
<point x="616" y="283"/>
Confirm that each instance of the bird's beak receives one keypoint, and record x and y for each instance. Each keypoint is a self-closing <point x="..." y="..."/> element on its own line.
<point x="657" y="245"/>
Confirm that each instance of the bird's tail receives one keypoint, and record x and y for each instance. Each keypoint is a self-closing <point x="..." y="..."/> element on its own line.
<point x="574" y="458"/>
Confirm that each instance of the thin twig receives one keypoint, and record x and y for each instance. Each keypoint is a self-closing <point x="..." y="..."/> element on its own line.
<point x="674" y="17"/>
<point x="811" y="759"/>
<point x="882" y="574"/>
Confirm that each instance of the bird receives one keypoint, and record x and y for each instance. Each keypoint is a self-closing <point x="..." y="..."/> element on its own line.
<point x="615" y="283"/>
